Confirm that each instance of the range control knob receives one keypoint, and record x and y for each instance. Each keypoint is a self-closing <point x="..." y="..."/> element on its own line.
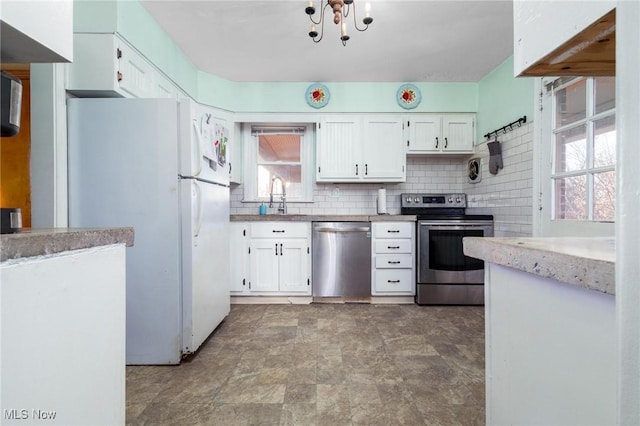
<point x="458" y="200"/>
<point x="417" y="199"/>
<point x="408" y="200"/>
<point x="450" y="200"/>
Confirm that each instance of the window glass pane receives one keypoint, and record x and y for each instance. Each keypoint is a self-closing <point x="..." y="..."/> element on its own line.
<point x="571" y="103"/>
<point x="604" y="143"/>
<point x="570" y="195"/>
<point x="272" y="148"/>
<point x="291" y="175"/>
<point x="571" y="150"/>
<point x="604" y="194"/>
<point x="605" y="93"/>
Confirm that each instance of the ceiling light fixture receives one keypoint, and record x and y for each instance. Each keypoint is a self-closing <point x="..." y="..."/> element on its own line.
<point x="341" y="9"/>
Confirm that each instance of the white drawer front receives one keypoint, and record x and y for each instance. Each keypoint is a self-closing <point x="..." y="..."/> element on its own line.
<point x="393" y="280"/>
<point x="393" y="246"/>
<point x="394" y="261"/>
<point x="280" y="230"/>
<point x="393" y="229"/>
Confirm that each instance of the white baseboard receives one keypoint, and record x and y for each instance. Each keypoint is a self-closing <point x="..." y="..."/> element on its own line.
<point x="305" y="300"/>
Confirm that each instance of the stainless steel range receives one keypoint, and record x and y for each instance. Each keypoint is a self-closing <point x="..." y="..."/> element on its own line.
<point x="445" y="276"/>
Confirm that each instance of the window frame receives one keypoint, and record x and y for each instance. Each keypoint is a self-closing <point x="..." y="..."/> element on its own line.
<point x="544" y="222"/>
<point x="250" y="142"/>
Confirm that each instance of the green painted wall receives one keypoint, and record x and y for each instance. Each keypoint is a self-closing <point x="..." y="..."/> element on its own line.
<point x="95" y="16"/>
<point x="141" y="30"/>
<point x="498" y="98"/>
<point x="345" y="97"/>
<point x="503" y="99"/>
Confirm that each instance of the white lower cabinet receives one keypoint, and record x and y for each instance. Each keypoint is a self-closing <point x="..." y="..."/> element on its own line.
<point x="239" y="250"/>
<point x="393" y="265"/>
<point x="277" y="261"/>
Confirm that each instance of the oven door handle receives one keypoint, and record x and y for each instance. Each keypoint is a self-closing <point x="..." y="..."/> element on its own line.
<point x="465" y="225"/>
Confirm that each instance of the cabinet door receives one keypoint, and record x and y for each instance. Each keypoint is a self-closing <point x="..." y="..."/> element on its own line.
<point x="239" y="250"/>
<point x="264" y="265"/>
<point x="95" y="65"/>
<point x="135" y="74"/>
<point x="294" y="266"/>
<point x="382" y="149"/>
<point x="457" y="132"/>
<point x="235" y="153"/>
<point x="338" y="149"/>
<point x="162" y="87"/>
<point x="425" y="134"/>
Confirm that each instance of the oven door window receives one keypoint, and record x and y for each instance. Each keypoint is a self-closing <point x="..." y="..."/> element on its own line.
<point x="445" y="250"/>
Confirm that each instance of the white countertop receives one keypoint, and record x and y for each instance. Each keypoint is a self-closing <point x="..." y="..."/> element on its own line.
<point x="586" y="262"/>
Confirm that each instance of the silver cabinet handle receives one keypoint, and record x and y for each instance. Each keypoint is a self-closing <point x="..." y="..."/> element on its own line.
<point x="436" y="142"/>
<point x="393" y="247"/>
<point x="281" y="231"/>
<point x="393" y="262"/>
<point x="393" y="281"/>
<point x="393" y="231"/>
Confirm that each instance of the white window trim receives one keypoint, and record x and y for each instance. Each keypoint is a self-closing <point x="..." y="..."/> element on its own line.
<point x="543" y="224"/>
<point x="251" y="161"/>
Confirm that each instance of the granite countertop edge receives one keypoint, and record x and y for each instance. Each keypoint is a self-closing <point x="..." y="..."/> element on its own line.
<point x="47" y="241"/>
<point x="570" y="260"/>
<point x="322" y="218"/>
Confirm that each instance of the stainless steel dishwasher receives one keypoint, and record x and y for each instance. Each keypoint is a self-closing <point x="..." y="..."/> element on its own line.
<point x="341" y="259"/>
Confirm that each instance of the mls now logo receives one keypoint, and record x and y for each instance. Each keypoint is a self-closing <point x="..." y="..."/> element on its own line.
<point x="24" y="414"/>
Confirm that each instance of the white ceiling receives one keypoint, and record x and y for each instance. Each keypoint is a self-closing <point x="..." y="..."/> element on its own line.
<point x="409" y="41"/>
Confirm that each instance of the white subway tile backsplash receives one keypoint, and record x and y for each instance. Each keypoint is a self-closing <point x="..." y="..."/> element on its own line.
<point x="507" y="195"/>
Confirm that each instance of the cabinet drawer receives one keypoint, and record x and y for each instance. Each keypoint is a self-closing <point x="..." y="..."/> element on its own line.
<point x="393" y="229"/>
<point x="393" y="246"/>
<point x="394" y="261"/>
<point x="280" y="229"/>
<point x="393" y="280"/>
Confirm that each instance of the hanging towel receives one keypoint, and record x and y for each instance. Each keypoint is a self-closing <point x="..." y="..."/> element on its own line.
<point x="495" y="157"/>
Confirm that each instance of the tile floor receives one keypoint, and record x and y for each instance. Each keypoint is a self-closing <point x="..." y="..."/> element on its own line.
<point x="323" y="364"/>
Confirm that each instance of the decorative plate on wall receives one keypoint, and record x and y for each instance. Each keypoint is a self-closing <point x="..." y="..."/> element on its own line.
<point x="317" y="95"/>
<point x="408" y="96"/>
<point x="473" y="171"/>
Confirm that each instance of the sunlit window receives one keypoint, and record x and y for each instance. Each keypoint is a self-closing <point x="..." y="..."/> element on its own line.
<point x="584" y="138"/>
<point x="279" y="163"/>
<point x="279" y="159"/>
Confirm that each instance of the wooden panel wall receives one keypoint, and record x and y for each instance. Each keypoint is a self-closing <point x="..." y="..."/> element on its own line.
<point x="15" y="182"/>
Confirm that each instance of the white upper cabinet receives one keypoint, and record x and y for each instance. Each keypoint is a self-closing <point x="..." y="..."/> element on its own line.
<point x="382" y="152"/>
<point x="542" y="27"/>
<point x="36" y="31"/>
<point x="105" y="65"/>
<point x="356" y="148"/>
<point x="338" y="148"/>
<point x="440" y="134"/>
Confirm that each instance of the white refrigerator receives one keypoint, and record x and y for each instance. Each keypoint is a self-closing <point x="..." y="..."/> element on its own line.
<point x="158" y="165"/>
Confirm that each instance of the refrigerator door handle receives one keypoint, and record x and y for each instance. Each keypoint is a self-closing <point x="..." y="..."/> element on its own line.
<point x="198" y="148"/>
<point x="198" y="194"/>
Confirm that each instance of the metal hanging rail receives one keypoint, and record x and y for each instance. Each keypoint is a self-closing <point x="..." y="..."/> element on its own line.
<point x="519" y="122"/>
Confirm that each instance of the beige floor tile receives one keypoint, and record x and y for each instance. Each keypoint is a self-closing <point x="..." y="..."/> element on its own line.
<point x="323" y="364"/>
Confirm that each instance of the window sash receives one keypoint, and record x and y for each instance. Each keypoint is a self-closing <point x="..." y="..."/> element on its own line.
<point x="588" y="171"/>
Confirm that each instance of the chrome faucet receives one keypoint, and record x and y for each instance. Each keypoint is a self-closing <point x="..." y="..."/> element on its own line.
<point x="282" y="207"/>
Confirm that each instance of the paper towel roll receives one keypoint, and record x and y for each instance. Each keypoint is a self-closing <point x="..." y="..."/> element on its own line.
<point x="382" y="201"/>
